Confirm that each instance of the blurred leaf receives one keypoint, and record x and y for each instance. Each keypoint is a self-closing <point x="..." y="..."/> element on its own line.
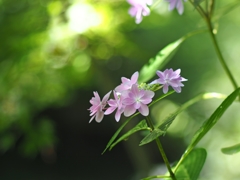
<point x="117" y="132"/>
<point x="7" y="141"/>
<point x="225" y="10"/>
<point x="168" y="121"/>
<point x="151" y="136"/>
<point x="38" y="138"/>
<point x="139" y="127"/>
<point x="163" y="56"/>
<point x="162" y="129"/>
<point x="209" y="123"/>
<point x="213" y="119"/>
<point x="191" y="167"/>
<point x="231" y="150"/>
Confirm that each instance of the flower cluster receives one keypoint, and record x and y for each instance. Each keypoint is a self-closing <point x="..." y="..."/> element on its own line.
<point x="130" y="97"/>
<point x="139" y="8"/>
<point x="170" y="78"/>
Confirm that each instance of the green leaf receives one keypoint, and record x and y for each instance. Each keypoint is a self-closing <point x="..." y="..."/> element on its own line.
<point x="209" y="123"/>
<point x="213" y="119"/>
<point x="168" y="121"/>
<point x="163" y="56"/>
<point x="189" y="169"/>
<point x="118" y="131"/>
<point x="231" y="150"/>
<point x="162" y="128"/>
<point x="139" y="127"/>
<point x="225" y="10"/>
<point x="151" y="136"/>
<point x="7" y="141"/>
<point x="192" y="165"/>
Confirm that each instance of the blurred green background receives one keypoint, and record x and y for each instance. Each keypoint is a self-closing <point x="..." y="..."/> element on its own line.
<point x="54" y="54"/>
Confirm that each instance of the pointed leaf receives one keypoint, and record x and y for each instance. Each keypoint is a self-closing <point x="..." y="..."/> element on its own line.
<point x="231" y="150"/>
<point x="191" y="167"/>
<point x="162" y="129"/>
<point x="209" y="123"/>
<point x="225" y="10"/>
<point x="168" y="121"/>
<point x="163" y="56"/>
<point x="139" y="127"/>
<point x="213" y="119"/>
<point x="151" y="136"/>
<point x="118" y="131"/>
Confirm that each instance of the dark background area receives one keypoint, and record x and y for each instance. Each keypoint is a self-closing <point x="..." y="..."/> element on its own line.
<point x="49" y="70"/>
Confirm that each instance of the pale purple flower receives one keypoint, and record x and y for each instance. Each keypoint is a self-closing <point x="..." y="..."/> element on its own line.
<point x="178" y="4"/>
<point x="115" y="104"/>
<point x="127" y="83"/>
<point x="170" y="78"/>
<point x="137" y="99"/>
<point x="139" y="8"/>
<point x="96" y="110"/>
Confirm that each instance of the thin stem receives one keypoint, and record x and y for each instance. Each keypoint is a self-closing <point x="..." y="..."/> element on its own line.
<point x="212" y="3"/>
<point x="207" y="18"/>
<point x="219" y="54"/>
<point x="199" y="9"/>
<point x="162" y="151"/>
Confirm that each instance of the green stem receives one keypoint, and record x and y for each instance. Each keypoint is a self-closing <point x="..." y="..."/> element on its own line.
<point x="219" y="54"/>
<point x="161" y="150"/>
<point x="207" y="17"/>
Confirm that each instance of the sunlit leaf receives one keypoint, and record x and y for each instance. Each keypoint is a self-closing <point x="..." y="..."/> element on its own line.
<point x="162" y="128"/>
<point x="118" y="131"/>
<point x="231" y="150"/>
<point x="163" y="56"/>
<point x="192" y="165"/>
<point x="151" y="136"/>
<point x="225" y="10"/>
<point x="189" y="169"/>
<point x="142" y="125"/>
<point x="168" y="121"/>
<point x="209" y="123"/>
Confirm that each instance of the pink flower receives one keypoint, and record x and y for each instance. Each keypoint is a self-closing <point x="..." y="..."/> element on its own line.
<point x="136" y="100"/>
<point x="127" y="83"/>
<point x="176" y="4"/>
<point x="170" y="78"/>
<point x="96" y="110"/>
<point x="115" y="104"/>
<point x="139" y="8"/>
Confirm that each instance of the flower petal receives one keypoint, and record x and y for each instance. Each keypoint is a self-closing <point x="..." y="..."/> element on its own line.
<point x="129" y="110"/>
<point x="109" y="110"/>
<point x="134" y="78"/>
<point x="144" y="110"/>
<point x="165" y="88"/>
<point x="99" y="116"/>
